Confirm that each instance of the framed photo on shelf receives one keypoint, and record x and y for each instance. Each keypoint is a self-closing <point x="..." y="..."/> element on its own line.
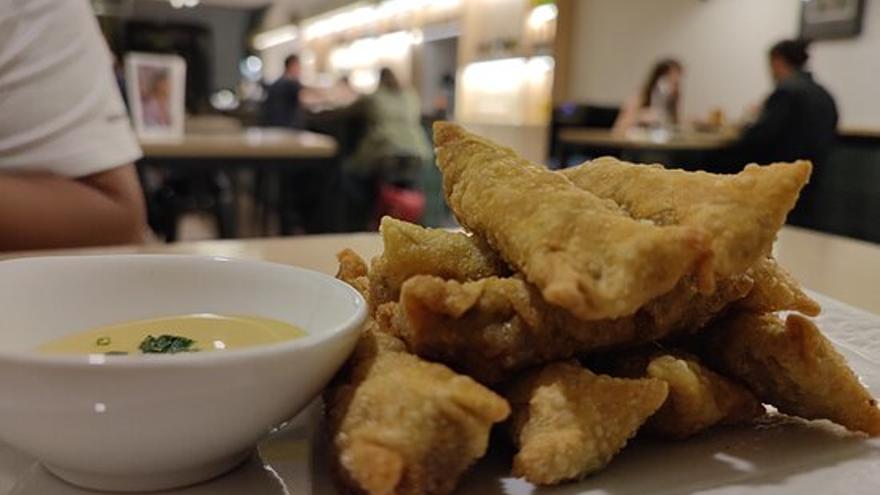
<point x="829" y="19"/>
<point x="156" y="87"/>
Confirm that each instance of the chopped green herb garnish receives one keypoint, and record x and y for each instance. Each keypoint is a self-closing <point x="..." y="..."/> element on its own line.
<point x="103" y="341"/>
<point x="116" y="353"/>
<point x="167" y="344"/>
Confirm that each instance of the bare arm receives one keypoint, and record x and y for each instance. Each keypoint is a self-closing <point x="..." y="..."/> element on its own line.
<point x="628" y="116"/>
<point x="49" y="211"/>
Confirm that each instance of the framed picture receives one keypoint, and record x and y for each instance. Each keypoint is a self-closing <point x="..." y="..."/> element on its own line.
<point x="156" y="86"/>
<point x="824" y="19"/>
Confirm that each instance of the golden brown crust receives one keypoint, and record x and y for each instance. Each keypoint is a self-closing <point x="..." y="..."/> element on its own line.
<point x="353" y="271"/>
<point x="414" y="250"/>
<point x="776" y="290"/>
<point x="793" y="367"/>
<point x="568" y="422"/>
<point x="491" y="327"/>
<point x="630" y="255"/>
<point x="582" y="252"/>
<point x="741" y="212"/>
<point x="699" y="398"/>
<point x="400" y="425"/>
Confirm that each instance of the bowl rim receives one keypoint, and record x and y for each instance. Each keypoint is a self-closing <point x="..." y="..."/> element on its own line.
<point x="194" y="359"/>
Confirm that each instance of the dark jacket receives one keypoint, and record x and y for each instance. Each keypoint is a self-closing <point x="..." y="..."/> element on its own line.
<point x="281" y="107"/>
<point x="799" y="121"/>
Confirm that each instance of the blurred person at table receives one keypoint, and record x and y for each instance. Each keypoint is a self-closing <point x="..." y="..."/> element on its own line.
<point x="392" y="149"/>
<point x="283" y="105"/>
<point x="66" y="145"/>
<point x="799" y="118"/>
<point x="658" y="103"/>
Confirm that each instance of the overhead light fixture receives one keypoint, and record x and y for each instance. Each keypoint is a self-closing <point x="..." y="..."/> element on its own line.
<point x="275" y="37"/>
<point x="542" y="14"/>
<point x="361" y="16"/>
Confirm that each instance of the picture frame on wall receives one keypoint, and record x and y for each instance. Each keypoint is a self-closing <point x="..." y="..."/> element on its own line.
<point x="156" y="88"/>
<point x="831" y="19"/>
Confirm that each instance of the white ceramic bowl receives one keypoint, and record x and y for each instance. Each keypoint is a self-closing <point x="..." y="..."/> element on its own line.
<point x="131" y="423"/>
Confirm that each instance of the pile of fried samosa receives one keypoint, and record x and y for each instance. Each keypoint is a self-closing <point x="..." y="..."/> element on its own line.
<point x="582" y="307"/>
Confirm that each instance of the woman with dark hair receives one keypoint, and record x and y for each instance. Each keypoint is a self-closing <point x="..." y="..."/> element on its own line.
<point x="392" y="150"/>
<point x="657" y="104"/>
<point x="799" y="118"/>
<point x="387" y="80"/>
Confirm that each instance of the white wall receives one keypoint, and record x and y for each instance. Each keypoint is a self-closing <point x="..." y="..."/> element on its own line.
<point x="438" y="58"/>
<point x="723" y="44"/>
<point x="850" y="69"/>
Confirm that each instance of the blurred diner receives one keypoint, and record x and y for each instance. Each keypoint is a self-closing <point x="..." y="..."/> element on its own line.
<point x="798" y="121"/>
<point x="384" y="170"/>
<point x="658" y="103"/>
<point x="282" y="106"/>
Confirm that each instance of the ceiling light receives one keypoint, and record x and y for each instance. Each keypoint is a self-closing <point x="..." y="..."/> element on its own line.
<point x="275" y="37"/>
<point x="542" y="14"/>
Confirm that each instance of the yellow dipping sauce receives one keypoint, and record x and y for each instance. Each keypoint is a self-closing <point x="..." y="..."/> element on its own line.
<point x="210" y="332"/>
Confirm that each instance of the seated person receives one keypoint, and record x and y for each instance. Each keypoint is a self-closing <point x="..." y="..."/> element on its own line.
<point x="393" y="148"/>
<point x="66" y="146"/>
<point x="798" y="121"/>
<point x="286" y="98"/>
<point x="657" y="105"/>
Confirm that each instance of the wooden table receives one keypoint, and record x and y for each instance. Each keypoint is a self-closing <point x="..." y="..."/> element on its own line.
<point x="842" y="268"/>
<point x="641" y="140"/>
<point x="275" y="155"/>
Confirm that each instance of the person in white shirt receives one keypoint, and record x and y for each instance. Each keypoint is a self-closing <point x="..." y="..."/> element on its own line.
<point x="66" y="146"/>
<point x="658" y="103"/>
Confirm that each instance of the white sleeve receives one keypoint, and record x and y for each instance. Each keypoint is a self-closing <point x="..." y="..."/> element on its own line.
<point x="60" y="104"/>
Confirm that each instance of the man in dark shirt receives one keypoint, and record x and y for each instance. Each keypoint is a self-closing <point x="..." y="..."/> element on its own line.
<point x="798" y="120"/>
<point x="282" y="107"/>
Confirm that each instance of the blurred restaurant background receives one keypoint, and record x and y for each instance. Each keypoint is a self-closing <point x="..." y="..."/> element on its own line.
<point x="242" y="140"/>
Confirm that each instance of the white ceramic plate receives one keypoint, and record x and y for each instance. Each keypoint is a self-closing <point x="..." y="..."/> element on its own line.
<point x="790" y="457"/>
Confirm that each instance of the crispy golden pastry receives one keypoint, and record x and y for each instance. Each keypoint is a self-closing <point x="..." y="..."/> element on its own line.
<point x="353" y="271"/>
<point x="568" y="422"/>
<point x="742" y="213"/>
<point x="491" y="327"/>
<point x="582" y="252"/>
<point x="699" y="398"/>
<point x="793" y="367"/>
<point x="413" y="250"/>
<point x="776" y="290"/>
<point x="400" y="425"/>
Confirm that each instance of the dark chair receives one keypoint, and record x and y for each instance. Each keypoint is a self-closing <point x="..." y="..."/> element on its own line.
<point x="179" y="193"/>
<point x="580" y="115"/>
<point x="397" y="179"/>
